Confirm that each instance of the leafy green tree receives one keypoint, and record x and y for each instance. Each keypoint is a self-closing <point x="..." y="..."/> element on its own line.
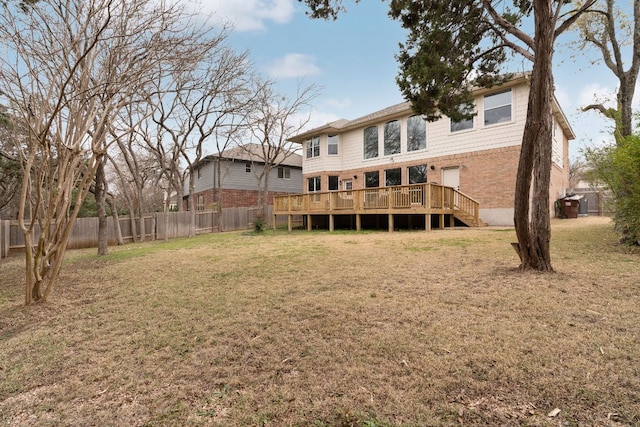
<point x="455" y="45"/>
<point x="618" y="166"/>
<point x="615" y="35"/>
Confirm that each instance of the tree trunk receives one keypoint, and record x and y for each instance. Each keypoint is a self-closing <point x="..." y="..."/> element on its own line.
<point x="265" y="193"/>
<point x="533" y="226"/>
<point x="218" y="189"/>
<point x="101" y="195"/>
<point x="625" y="97"/>
<point x="132" y="219"/>
<point x="116" y="220"/>
<point x="167" y="211"/>
<point x="192" y="205"/>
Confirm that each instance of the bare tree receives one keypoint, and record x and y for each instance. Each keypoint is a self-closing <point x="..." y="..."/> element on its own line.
<point x="11" y="132"/>
<point x="204" y="100"/>
<point x="74" y="65"/>
<point x="273" y="120"/>
<point x="607" y="28"/>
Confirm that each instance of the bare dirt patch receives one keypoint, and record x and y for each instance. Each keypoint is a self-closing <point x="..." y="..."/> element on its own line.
<point x="329" y="329"/>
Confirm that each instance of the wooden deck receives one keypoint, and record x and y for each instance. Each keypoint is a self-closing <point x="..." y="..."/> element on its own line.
<point x="416" y="199"/>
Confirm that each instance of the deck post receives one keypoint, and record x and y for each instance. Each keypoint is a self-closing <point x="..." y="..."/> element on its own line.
<point x="331" y="222"/>
<point x="308" y="222"/>
<point x="390" y="223"/>
<point x="290" y="223"/>
<point x="427" y="222"/>
<point x="358" y="222"/>
<point x="441" y="222"/>
<point x="452" y="221"/>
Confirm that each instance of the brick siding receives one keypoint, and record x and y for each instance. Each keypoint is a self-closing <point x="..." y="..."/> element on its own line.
<point x="488" y="176"/>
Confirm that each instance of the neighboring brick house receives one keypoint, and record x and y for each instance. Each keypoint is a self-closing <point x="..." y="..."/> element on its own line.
<point x="239" y="168"/>
<point x="395" y="146"/>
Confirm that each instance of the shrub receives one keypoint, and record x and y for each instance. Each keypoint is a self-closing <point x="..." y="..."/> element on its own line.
<point x="259" y="224"/>
<point x="618" y="166"/>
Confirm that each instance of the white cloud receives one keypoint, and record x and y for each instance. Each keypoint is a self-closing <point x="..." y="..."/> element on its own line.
<point x="293" y="65"/>
<point x="339" y="104"/>
<point x="564" y="99"/>
<point x="248" y="15"/>
<point x="596" y="93"/>
<point x="320" y="118"/>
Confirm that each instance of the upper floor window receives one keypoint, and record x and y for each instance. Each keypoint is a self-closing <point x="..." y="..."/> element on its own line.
<point x="463" y="124"/>
<point x="313" y="147"/>
<point x="314" y="184"/>
<point x="284" y="173"/>
<point x="497" y="107"/>
<point x="416" y="133"/>
<point x="247" y="167"/>
<point x="417" y="174"/>
<point x="392" y="177"/>
<point x="332" y="145"/>
<point x="371" y="142"/>
<point x="372" y="179"/>
<point x="391" y="137"/>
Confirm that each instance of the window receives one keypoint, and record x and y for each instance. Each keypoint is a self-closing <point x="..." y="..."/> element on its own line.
<point x="198" y="173"/>
<point x="371" y="142"/>
<point x="392" y="177"/>
<point x="391" y="137"/>
<point x="314" y="184"/>
<point x="497" y="108"/>
<point x="372" y="179"/>
<point x="200" y="203"/>
<point x="333" y="182"/>
<point x="247" y="167"/>
<point x="464" y="124"/>
<point x="313" y="147"/>
<point x="332" y="145"/>
<point x="416" y="133"/>
<point x="417" y="174"/>
<point x="284" y="173"/>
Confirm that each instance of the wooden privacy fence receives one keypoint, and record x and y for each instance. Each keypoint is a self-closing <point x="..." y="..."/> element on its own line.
<point x="156" y="226"/>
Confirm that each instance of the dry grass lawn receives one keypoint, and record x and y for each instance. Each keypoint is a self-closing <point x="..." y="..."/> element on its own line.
<point x="329" y="329"/>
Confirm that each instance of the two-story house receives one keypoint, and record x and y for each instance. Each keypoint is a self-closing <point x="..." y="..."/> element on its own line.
<point x="478" y="158"/>
<point x="235" y="175"/>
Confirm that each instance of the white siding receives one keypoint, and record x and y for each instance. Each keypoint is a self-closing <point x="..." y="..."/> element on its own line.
<point x="557" y="147"/>
<point x="440" y="140"/>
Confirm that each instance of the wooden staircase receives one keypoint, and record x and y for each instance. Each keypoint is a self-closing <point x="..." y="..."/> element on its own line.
<point x="468" y="219"/>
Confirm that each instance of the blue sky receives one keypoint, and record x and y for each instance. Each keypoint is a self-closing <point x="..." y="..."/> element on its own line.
<point x="352" y="60"/>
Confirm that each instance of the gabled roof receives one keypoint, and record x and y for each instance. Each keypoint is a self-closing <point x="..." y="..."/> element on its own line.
<point x="403" y="108"/>
<point x="253" y="153"/>
<point x="343" y="124"/>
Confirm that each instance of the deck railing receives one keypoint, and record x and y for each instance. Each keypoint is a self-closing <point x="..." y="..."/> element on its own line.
<point x="414" y="198"/>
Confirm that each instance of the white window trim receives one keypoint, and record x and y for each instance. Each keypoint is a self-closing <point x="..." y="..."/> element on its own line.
<point x="284" y="169"/>
<point x="315" y="139"/>
<point x="426" y="136"/>
<point x="337" y="145"/>
<point x="484" y="109"/>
